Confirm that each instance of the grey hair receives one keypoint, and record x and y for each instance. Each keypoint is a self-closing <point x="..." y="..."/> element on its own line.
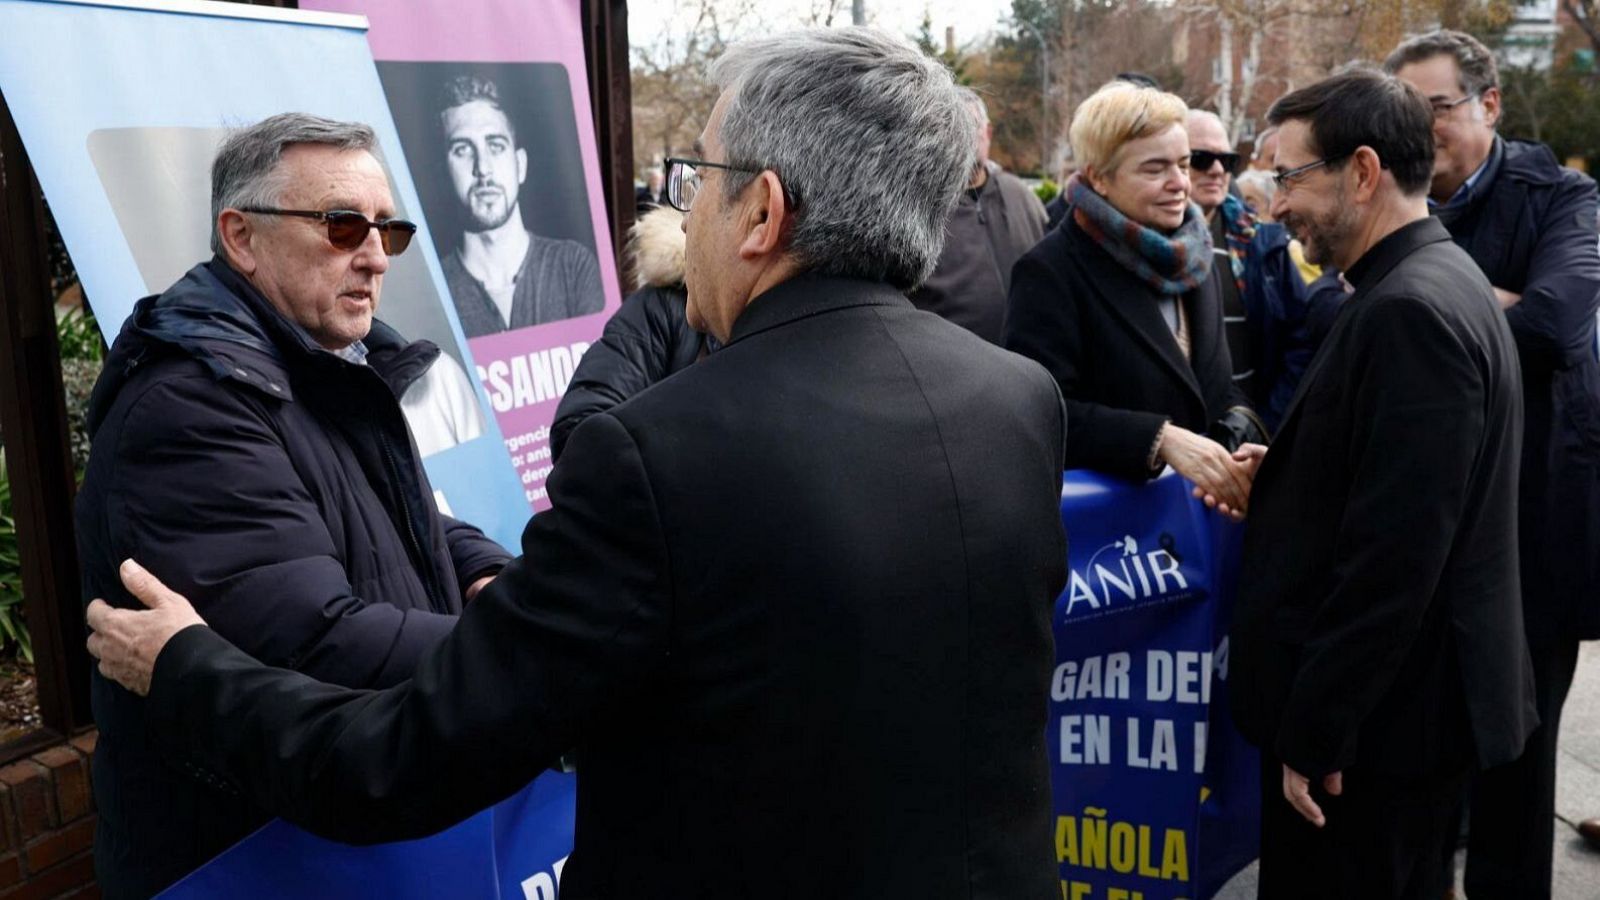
<point x="1473" y="60"/>
<point x="870" y="138"/>
<point x="245" y="171"/>
<point x="976" y="103"/>
<point x="1258" y="178"/>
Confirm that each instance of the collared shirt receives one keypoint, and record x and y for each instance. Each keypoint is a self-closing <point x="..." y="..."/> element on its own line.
<point x="355" y="353"/>
<point x="1463" y="194"/>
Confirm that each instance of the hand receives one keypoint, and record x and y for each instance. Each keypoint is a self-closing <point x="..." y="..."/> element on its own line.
<point x="1220" y="481"/>
<point x="1250" y="456"/>
<point x="476" y="586"/>
<point x="1297" y="790"/>
<point x="127" y="641"/>
<point x="1506" y="298"/>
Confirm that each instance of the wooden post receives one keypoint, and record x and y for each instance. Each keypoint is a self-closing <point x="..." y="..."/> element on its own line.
<point x="33" y="420"/>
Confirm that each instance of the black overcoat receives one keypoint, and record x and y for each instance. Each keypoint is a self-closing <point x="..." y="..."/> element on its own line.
<point x="1378" y="621"/>
<point x="791" y="605"/>
<point x="1098" y="329"/>
<point x="1531" y="227"/>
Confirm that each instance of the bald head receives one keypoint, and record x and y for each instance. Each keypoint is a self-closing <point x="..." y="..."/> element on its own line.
<point x="1208" y="182"/>
<point x="1206" y="131"/>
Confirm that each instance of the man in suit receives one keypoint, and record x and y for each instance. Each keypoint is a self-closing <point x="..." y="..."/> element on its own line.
<point x="790" y="606"/>
<point x="1529" y="224"/>
<point x="1378" y="652"/>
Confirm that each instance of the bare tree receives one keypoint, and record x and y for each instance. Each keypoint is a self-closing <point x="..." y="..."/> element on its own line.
<point x="1587" y="14"/>
<point x="671" y="94"/>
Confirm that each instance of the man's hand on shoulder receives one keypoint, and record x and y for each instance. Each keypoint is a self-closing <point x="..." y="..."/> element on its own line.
<point x="126" y="641"/>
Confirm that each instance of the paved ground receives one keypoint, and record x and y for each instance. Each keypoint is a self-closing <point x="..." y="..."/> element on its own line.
<point x="1577" y="867"/>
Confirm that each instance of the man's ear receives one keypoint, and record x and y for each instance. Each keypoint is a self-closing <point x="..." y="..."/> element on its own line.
<point x="1368" y="169"/>
<point x="522" y="166"/>
<point x="766" y="214"/>
<point x="1491" y="106"/>
<point x="237" y="232"/>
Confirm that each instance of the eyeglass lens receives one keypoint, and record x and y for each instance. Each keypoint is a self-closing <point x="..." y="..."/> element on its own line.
<point x="346" y="231"/>
<point x="1203" y="160"/>
<point x="682" y="184"/>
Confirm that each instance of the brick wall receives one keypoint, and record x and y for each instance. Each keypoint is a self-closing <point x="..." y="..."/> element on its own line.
<point x="47" y="824"/>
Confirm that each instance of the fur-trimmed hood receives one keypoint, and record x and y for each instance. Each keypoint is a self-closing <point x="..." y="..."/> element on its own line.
<point x="657" y="247"/>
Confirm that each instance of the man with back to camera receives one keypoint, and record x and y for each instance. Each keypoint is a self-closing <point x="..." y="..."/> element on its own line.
<point x="1378" y="653"/>
<point x="791" y="605"/>
<point x="1263" y="298"/>
<point x="248" y="443"/>
<point x="503" y="276"/>
<point x="1529" y="224"/>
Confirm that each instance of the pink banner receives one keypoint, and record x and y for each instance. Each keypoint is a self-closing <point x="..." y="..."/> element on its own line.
<point x="491" y="102"/>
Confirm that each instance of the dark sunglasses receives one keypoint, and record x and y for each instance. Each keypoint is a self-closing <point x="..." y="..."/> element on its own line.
<point x="347" y="229"/>
<point x="1203" y="160"/>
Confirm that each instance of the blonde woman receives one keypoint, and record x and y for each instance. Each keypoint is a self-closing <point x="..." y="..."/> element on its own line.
<point x="1118" y="304"/>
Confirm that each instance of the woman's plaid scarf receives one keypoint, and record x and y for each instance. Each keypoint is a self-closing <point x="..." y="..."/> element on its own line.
<point x="1172" y="264"/>
<point x="1239" y="227"/>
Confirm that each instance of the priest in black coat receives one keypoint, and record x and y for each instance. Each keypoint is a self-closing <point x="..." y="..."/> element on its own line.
<point x="1378" y="648"/>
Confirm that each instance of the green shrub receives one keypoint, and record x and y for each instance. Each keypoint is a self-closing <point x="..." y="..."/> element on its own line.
<point x="1047" y="190"/>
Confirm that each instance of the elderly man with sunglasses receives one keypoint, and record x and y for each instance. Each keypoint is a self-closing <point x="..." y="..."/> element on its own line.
<point x="1263" y="296"/>
<point x="248" y="445"/>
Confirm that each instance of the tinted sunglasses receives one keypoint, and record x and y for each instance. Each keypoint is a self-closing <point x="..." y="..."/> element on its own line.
<point x="1203" y="160"/>
<point x="348" y="229"/>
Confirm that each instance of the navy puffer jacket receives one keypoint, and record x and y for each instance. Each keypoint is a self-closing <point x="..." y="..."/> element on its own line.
<point x="277" y="487"/>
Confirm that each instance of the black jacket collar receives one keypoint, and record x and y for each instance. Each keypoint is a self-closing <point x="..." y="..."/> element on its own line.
<point x="1399" y="244"/>
<point x="808" y="295"/>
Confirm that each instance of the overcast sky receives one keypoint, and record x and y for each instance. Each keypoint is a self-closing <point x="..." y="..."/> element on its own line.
<point x="648" y="20"/>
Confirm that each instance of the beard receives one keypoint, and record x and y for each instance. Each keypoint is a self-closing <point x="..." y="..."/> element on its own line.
<point x="488" y="206"/>
<point x="1323" y="235"/>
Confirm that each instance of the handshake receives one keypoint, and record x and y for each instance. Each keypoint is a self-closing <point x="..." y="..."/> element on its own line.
<point x="1221" y="479"/>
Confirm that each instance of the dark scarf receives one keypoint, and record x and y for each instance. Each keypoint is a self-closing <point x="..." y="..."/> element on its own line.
<point x="1172" y="264"/>
<point x="1239" y="228"/>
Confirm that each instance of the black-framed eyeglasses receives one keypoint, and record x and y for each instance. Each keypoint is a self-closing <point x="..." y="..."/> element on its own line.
<point x="1282" y="179"/>
<point x="684" y="179"/>
<point x="347" y="229"/>
<point x="1441" y="108"/>
<point x="1203" y="160"/>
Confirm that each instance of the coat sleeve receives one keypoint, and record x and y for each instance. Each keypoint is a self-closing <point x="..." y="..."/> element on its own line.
<point x="1418" y="421"/>
<point x="1286" y="309"/>
<point x="570" y="633"/>
<point x="1551" y="321"/>
<point x="205" y="495"/>
<point x="1041" y="325"/>
<point x="472" y="554"/>
<point x="635" y="351"/>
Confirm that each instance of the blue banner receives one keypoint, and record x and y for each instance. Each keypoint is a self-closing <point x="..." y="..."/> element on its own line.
<point x="513" y="850"/>
<point x="1156" y="794"/>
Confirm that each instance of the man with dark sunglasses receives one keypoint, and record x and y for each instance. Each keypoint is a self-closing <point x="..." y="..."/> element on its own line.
<point x="503" y="276"/>
<point x="1264" y="298"/>
<point x="247" y="434"/>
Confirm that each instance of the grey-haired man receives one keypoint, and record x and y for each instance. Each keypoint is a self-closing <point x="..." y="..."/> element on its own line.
<point x="248" y="446"/>
<point x="791" y="604"/>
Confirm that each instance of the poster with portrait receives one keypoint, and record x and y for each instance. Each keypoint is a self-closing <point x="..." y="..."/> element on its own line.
<point x="492" y="109"/>
<point x="125" y="166"/>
